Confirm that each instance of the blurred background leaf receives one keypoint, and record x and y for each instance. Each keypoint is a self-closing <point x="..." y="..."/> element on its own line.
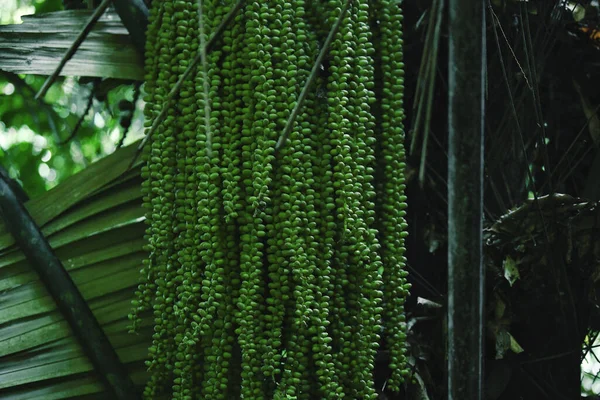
<point x="32" y="132"/>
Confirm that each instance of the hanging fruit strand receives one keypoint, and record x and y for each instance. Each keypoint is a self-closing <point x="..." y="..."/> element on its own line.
<point x="274" y="195"/>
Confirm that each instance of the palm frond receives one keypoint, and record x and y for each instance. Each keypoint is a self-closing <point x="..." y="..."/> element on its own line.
<point x="95" y="224"/>
<point x="36" y="45"/>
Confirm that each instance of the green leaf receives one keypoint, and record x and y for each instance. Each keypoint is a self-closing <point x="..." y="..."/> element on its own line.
<point x="37" y="45"/>
<point x="94" y="222"/>
<point x="511" y="271"/>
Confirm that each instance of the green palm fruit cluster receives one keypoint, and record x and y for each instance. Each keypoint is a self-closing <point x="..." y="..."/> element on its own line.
<point x="274" y="273"/>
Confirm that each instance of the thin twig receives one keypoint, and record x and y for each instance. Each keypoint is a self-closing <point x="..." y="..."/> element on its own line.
<point x="431" y="82"/>
<point x="136" y="96"/>
<point x="311" y="78"/>
<point x="74" y="46"/>
<point x="497" y="20"/>
<point x="422" y="79"/>
<point x="81" y="118"/>
<point x="209" y="45"/>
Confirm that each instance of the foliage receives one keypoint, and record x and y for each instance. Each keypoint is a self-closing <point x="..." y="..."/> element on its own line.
<point x="94" y="222"/>
<point x="32" y="133"/>
<point x="11" y="10"/>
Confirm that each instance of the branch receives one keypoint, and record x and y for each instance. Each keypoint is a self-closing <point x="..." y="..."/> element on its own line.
<point x="136" y="96"/>
<point x="134" y="15"/>
<point x="311" y="78"/>
<point x="69" y="300"/>
<point x="81" y="119"/>
<point x="20" y="193"/>
<point x="74" y="46"/>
